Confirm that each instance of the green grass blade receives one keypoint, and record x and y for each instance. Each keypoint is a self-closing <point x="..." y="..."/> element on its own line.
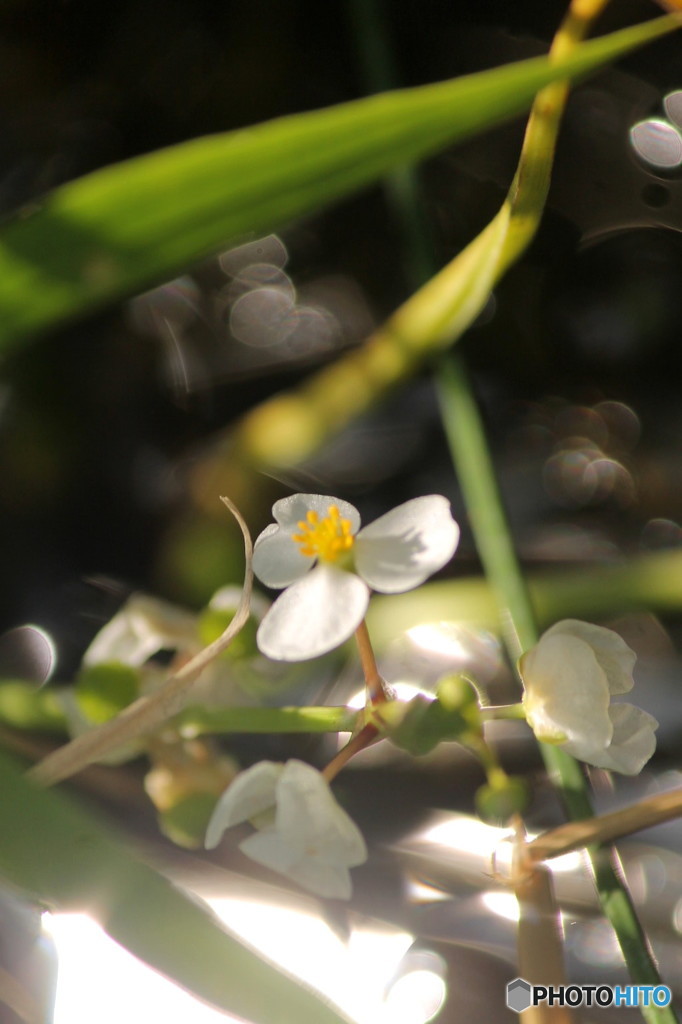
<point x="53" y="850"/>
<point x="117" y="230"/>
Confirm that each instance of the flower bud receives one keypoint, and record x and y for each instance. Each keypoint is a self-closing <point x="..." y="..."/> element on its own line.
<point x="420" y="724"/>
<point x="501" y="797"/>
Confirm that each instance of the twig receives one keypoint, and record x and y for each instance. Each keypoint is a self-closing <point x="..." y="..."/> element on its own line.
<point x="540" y="934"/>
<point x="606" y="827"/>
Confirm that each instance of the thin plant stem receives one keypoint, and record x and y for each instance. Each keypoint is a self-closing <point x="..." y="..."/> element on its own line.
<point x="503" y="712"/>
<point x="362" y="739"/>
<point x="376" y="688"/>
<point x="376" y="694"/>
<point x="196" y="720"/>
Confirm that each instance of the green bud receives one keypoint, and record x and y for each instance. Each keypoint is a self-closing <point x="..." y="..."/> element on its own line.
<point x="185" y="823"/>
<point x="101" y="691"/>
<point x="457" y="694"/>
<point x="501" y="798"/>
<point x="420" y="724"/>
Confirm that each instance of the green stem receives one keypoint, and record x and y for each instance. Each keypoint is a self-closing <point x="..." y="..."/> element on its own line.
<point x="195" y="721"/>
<point x="466" y="437"/>
<point x="477" y="478"/>
<point x="503" y="712"/>
<point x="374" y="684"/>
<point x="470" y="454"/>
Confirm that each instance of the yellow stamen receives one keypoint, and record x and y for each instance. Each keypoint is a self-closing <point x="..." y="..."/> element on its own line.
<point x="325" y="538"/>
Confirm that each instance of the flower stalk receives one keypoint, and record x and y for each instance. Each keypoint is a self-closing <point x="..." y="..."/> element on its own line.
<point x="377" y="692"/>
<point x="362" y="739"/>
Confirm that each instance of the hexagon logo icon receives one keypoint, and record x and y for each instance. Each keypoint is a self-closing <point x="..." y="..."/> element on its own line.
<point x="518" y="995"/>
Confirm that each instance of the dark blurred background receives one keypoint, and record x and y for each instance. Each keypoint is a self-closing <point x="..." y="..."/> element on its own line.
<point x="575" y="359"/>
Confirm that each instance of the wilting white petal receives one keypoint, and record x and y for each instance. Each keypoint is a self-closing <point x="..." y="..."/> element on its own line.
<point x="311" y="839"/>
<point x="278" y="559"/>
<point x="142" y="627"/>
<point x="616" y="659"/>
<point x="313" y="615"/>
<point x="269" y="847"/>
<point x="252" y="792"/>
<point x="568" y="678"/>
<point x="274" y="851"/>
<point x="633" y="741"/>
<point x="288" y="512"/>
<point x="402" y="548"/>
<point x="329" y="880"/>
<point x="566" y="692"/>
<point x="308" y="812"/>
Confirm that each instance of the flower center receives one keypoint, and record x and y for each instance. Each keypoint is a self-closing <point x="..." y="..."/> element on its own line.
<point x="326" y="538"/>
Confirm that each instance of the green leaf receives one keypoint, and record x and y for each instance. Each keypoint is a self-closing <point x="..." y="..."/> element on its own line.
<point x="120" y="229"/>
<point x="61" y="856"/>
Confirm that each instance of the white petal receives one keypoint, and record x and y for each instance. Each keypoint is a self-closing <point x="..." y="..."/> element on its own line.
<point x="313" y="615"/>
<point x="613" y="654"/>
<point x="633" y="741"/>
<point x="142" y="627"/>
<point x="403" y="548"/>
<point x="331" y="881"/>
<point x="272" y="850"/>
<point x="566" y="692"/>
<point x="308" y="813"/>
<point x="277" y="558"/>
<point x="290" y="511"/>
<point x="252" y="792"/>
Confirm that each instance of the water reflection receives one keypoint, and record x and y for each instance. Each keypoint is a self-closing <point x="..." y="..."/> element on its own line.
<point x="657" y="143"/>
<point x="27" y="652"/>
<point x="211" y="328"/>
<point x="586" y="451"/>
<point x="660" y="533"/>
<point x="270" y="250"/>
<point x="419" y="989"/>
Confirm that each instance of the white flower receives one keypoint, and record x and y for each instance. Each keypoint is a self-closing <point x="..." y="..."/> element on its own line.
<point x="311" y="839"/>
<point x="322" y="608"/>
<point x="569" y="678"/>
